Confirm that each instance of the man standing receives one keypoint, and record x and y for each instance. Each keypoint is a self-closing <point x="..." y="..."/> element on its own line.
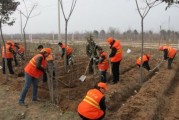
<point x="8" y="55"/>
<point x="91" y="52"/>
<point x="102" y="63"/>
<point x="169" y="53"/>
<point x="33" y="70"/>
<point x="115" y="57"/>
<point x="145" y="63"/>
<point x="93" y="106"/>
<point x="68" y="51"/>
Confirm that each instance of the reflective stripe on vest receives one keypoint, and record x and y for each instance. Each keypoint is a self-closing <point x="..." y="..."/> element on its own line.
<point x="91" y="102"/>
<point x="32" y="61"/>
<point x="31" y="68"/>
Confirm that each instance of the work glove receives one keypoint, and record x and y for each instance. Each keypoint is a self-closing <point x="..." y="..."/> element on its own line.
<point x="96" y="61"/>
<point x="44" y="78"/>
<point x="94" y="58"/>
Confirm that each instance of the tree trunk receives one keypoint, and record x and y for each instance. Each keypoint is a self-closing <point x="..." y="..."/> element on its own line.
<point x="65" y="59"/>
<point x="142" y="47"/>
<point x="5" y="61"/>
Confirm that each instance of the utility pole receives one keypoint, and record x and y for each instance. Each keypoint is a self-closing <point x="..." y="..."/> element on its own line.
<point x="59" y="35"/>
<point x="21" y="25"/>
<point x="169" y="29"/>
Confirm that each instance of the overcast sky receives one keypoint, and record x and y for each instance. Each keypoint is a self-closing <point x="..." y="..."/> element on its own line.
<point x="90" y="15"/>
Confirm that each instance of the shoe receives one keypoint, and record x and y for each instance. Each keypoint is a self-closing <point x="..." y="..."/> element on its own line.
<point x="23" y="104"/>
<point x="36" y="100"/>
<point x="113" y="83"/>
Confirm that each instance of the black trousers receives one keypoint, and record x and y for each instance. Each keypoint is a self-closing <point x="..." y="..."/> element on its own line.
<point x="91" y="69"/>
<point x="15" y="59"/>
<point x="170" y="60"/>
<point x="115" y="71"/>
<point x="9" y="65"/>
<point x="103" y="76"/>
<point x="146" y="65"/>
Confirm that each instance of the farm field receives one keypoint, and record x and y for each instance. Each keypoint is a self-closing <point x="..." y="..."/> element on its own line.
<point x="156" y="98"/>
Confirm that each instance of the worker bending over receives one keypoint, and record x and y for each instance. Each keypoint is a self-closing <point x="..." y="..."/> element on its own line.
<point x="145" y="61"/>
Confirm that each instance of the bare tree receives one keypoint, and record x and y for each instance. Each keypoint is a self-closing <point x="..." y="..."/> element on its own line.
<point x="66" y="25"/>
<point x="143" y="8"/>
<point x="27" y="14"/>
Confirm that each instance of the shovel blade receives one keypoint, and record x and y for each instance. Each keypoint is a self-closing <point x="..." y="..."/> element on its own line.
<point x="82" y="78"/>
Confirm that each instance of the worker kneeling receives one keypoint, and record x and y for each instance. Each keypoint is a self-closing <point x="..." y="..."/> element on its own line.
<point x="145" y="63"/>
<point x="93" y="106"/>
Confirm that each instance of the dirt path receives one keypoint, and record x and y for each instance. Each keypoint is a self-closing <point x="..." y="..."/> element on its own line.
<point x="172" y="110"/>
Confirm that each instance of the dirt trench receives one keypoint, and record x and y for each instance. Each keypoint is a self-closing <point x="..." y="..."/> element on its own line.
<point x="149" y="102"/>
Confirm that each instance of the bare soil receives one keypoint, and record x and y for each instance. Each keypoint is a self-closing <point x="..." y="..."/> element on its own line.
<point x="156" y="98"/>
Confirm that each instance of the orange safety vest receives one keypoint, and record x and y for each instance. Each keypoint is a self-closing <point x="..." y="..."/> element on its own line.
<point x="8" y="53"/>
<point x="68" y="49"/>
<point x="21" y="49"/>
<point x="89" y="107"/>
<point x="104" y="65"/>
<point x="31" y="68"/>
<point x="118" y="56"/>
<point x="49" y="57"/>
<point x="171" y="52"/>
<point x="144" y="57"/>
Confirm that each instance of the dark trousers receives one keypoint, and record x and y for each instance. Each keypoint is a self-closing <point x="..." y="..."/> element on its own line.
<point x="91" y="69"/>
<point x="170" y="60"/>
<point x="15" y="59"/>
<point x="9" y="65"/>
<point x="146" y="65"/>
<point x="68" y="59"/>
<point x="115" y="71"/>
<point x="103" y="76"/>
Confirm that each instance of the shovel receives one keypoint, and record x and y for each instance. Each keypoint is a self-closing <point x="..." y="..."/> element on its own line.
<point x="83" y="77"/>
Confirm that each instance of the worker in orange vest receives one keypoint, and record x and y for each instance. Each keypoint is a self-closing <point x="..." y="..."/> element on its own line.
<point x="33" y="70"/>
<point x="93" y="106"/>
<point x="69" y="51"/>
<point x="50" y="64"/>
<point x="102" y="63"/>
<point x="20" y="50"/>
<point x="115" y="57"/>
<point x="8" y="55"/>
<point x="169" y="53"/>
<point x="145" y="63"/>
